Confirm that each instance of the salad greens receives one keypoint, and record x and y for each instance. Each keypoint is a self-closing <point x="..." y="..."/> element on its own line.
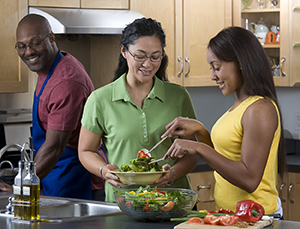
<point x="140" y="164"/>
<point x="149" y="199"/>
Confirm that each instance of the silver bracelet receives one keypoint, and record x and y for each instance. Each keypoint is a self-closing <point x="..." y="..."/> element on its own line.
<point x="100" y="171"/>
<point x="174" y="174"/>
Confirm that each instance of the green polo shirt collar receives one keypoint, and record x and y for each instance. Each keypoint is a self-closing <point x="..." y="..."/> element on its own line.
<point x="120" y="92"/>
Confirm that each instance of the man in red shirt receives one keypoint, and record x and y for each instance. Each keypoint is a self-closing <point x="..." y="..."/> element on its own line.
<point x="61" y="92"/>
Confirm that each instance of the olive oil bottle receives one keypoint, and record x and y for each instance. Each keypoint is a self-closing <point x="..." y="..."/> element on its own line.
<point x="18" y="190"/>
<point x="31" y="194"/>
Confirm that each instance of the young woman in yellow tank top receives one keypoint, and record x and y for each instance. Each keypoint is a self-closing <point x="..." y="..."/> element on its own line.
<point x="245" y="147"/>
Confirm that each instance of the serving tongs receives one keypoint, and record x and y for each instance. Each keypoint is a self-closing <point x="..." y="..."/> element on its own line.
<point x="148" y="153"/>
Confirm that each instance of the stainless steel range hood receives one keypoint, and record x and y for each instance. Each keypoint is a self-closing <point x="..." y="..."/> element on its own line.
<point x="86" y="21"/>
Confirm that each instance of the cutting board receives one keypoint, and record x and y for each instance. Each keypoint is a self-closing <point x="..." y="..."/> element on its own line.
<point x="258" y="225"/>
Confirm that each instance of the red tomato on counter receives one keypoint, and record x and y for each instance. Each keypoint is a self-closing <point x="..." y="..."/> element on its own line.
<point x="196" y="220"/>
<point x="228" y="220"/>
<point x="209" y="217"/>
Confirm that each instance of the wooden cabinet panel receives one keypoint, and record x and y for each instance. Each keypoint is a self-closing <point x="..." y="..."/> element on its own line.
<point x="13" y="77"/>
<point x="204" y="183"/>
<point x="201" y="21"/>
<point x="165" y="14"/>
<point x="188" y="27"/>
<point x="105" y="4"/>
<point x="289" y="193"/>
<point x="294" y="197"/>
<point x="55" y="3"/>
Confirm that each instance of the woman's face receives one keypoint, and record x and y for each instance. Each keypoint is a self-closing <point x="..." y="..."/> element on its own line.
<point x="226" y="74"/>
<point x="144" y="70"/>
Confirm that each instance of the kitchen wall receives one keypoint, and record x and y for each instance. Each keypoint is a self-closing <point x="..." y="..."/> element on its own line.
<point x="209" y="103"/>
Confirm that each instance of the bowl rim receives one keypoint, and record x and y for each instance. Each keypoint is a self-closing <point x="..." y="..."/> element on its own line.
<point x="190" y="191"/>
<point x="138" y="173"/>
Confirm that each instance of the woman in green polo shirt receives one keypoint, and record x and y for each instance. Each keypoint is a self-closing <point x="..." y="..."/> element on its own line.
<point x="132" y="112"/>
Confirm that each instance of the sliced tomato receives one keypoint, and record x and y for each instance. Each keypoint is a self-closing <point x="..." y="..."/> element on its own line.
<point x="228" y="220"/>
<point x="120" y="199"/>
<point x="146" y="208"/>
<point x="168" y="207"/>
<point x="209" y="217"/>
<point x="128" y="204"/>
<point x="215" y="221"/>
<point x="195" y="220"/>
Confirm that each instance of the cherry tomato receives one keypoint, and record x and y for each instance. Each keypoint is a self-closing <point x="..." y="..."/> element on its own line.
<point x="228" y="220"/>
<point x="146" y="208"/>
<point x="169" y="206"/>
<point x="195" y="220"/>
<point x="128" y="204"/>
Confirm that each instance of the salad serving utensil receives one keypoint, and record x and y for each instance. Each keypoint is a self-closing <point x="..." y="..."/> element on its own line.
<point x="161" y="159"/>
<point x="154" y="147"/>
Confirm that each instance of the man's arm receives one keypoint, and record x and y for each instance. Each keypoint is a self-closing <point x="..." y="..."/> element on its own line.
<point x="50" y="151"/>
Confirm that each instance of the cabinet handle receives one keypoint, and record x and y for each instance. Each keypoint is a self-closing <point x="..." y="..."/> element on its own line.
<point x="189" y="67"/>
<point x="281" y="62"/>
<point x="203" y="187"/>
<point x="290" y="189"/>
<point x="179" y="59"/>
<point x="280" y="193"/>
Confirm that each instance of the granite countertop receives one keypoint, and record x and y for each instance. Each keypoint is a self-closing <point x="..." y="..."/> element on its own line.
<point x="116" y="222"/>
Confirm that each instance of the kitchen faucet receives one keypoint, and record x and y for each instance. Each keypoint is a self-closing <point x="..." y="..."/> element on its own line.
<point x="24" y="154"/>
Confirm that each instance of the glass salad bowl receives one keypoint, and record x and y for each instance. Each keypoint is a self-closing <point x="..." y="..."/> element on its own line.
<point x="153" y="204"/>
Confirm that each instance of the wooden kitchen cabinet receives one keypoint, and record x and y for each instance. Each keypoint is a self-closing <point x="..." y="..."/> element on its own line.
<point x="204" y="183"/>
<point x="102" y="4"/>
<point x="55" y="3"/>
<point x="289" y="193"/>
<point x="287" y="53"/>
<point x="14" y="74"/>
<point x="189" y="25"/>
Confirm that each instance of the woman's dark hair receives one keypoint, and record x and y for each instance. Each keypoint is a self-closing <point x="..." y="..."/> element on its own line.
<point x="236" y="44"/>
<point x="140" y="28"/>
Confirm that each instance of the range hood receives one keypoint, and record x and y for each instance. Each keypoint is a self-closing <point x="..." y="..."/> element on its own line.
<point x="86" y="21"/>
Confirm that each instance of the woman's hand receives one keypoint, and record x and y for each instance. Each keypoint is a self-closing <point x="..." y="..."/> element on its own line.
<point x="111" y="178"/>
<point x="181" y="147"/>
<point x="187" y="128"/>
<point x="182" y="127"/>
<point x="166" y="178"/>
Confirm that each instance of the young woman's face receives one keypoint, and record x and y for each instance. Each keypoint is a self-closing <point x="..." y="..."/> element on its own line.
<point x="226" y="74"/>
<point x="140" y="70"/>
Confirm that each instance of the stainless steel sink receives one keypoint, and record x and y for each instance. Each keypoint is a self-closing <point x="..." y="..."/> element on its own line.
<point x="55" y="209"/>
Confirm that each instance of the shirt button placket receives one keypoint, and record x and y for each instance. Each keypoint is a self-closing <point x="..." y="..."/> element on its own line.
<point x="144" y="127"/>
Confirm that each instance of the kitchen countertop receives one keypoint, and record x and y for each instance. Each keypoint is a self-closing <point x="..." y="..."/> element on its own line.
<point x="115" y="222"/>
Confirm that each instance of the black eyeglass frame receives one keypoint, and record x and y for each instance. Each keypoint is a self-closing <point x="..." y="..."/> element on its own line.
<point x="30" y="45"/>
<point x="146" y="57"/>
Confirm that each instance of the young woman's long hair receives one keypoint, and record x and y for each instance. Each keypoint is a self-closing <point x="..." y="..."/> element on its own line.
<point x="140" y="28"/>
<point x="242" y="47"/>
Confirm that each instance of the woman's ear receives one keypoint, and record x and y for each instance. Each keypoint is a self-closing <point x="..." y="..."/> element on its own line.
<point x="123" y="51"/>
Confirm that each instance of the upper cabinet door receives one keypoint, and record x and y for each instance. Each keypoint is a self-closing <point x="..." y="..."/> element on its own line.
<point x="202" y="20"/>
<point x="14" y="74"/>
<point x="55" y="3"/>
<point x="165" y="12"/>
<point x="188" y="24"/>
<point x="105" y="4"/>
